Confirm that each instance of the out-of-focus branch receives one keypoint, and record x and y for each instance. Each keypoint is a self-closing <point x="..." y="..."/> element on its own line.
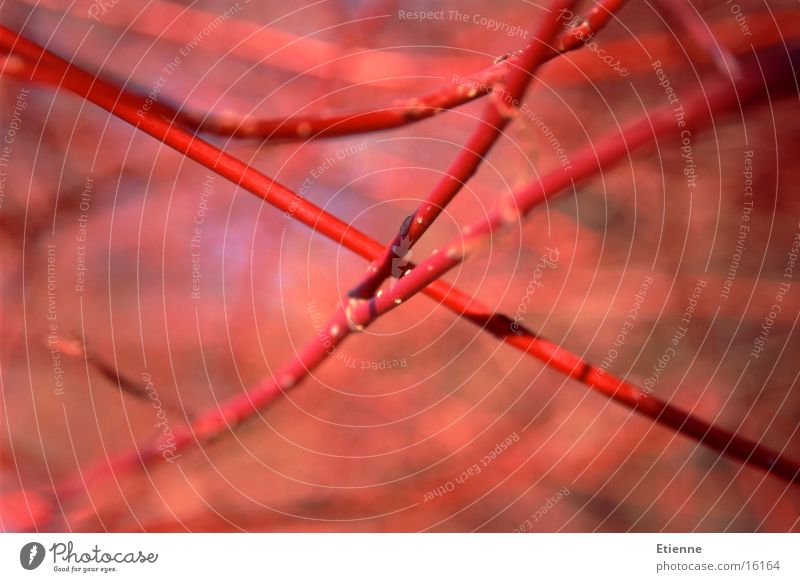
<point x="405" y="111"/>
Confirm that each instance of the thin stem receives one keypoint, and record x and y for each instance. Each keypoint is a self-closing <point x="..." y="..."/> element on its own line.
<point x="496" y="116"/>
<point x="397" y="114"/>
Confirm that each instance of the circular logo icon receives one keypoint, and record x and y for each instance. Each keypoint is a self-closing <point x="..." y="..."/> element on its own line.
<point x="31" y="555"/>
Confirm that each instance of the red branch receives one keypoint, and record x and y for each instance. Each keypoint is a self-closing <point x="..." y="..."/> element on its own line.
<point x="699" y="108"/>
<point x="496" y="116"/>
<point x="401" y="112"/>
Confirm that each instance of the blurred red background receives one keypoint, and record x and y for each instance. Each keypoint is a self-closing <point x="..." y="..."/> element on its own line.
<point x="421" y="397"/>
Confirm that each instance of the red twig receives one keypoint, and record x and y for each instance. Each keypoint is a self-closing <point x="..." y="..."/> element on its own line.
<point x="41" y="65"/>
<point x="685" y="15"/>
<point x="637" y="134"/>
<point x="397" y="114"/>
<point x="33" y="62"/>
<point x="496" y="116"/>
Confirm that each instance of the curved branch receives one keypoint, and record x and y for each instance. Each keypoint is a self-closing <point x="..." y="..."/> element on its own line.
<point x="397" y="114"/>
